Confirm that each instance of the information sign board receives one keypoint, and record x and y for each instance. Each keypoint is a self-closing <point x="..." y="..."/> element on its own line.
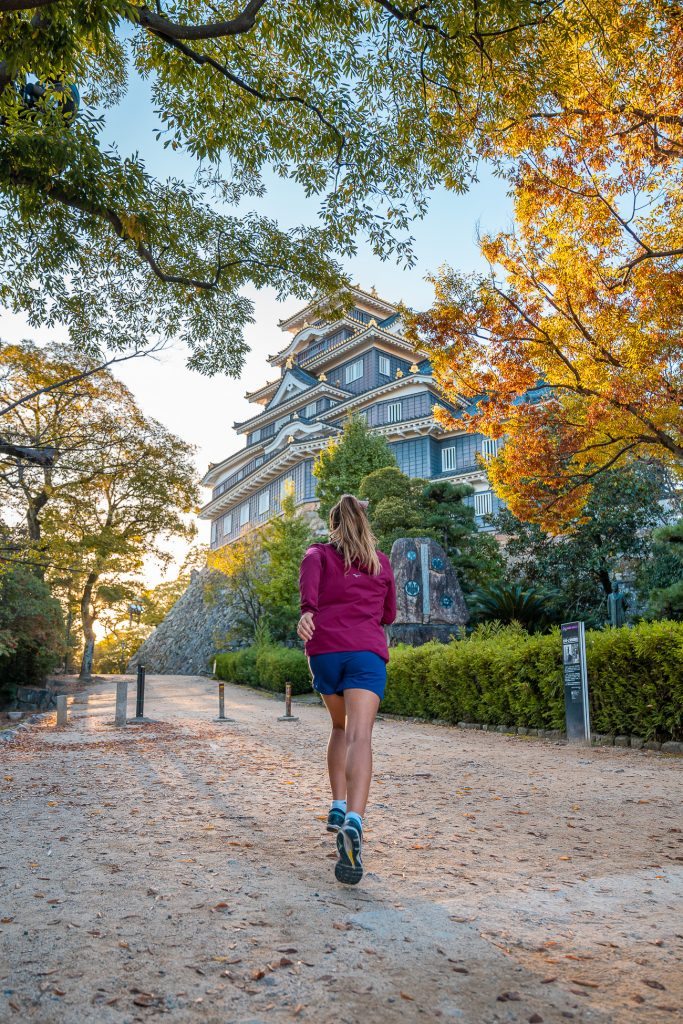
<point x="576" y="707"/>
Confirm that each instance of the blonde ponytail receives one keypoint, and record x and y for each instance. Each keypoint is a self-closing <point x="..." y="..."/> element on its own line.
<point x="350" y="530"/>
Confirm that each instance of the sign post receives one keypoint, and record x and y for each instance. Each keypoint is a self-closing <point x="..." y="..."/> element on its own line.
<point x="576" y="707"/>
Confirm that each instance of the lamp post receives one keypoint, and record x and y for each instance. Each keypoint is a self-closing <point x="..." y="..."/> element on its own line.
<point x="134" y="612"/>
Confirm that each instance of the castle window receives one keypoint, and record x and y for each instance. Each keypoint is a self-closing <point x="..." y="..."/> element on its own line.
<point x="489" y="448"/>
<point x="385" y="366"/>
<point x="354" y="371"/>
<point x="226" y="524"/>
<point x="483" y="503"/>
<point x="394" y="412"/>
<point x="244" y="514"/>
<point x="263" y="502"/>
<point x="309" y="411"/>
<point x="447" y="459"/>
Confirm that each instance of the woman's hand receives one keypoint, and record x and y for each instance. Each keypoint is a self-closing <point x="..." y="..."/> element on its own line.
<point x="306" y="626"/>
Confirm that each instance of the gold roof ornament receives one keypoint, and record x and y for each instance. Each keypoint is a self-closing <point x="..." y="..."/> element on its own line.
<point x="399" y="373"/>
<point x="290" y="439"/>
<point x="414" y="368"/>
<point x="290" y="362"/>
<point x="372" y="323"/>
<point x="305" y="325"/>
<point x="295" y="415"/>
<point x="373" y="291"/>
<point x="321" y="376"/>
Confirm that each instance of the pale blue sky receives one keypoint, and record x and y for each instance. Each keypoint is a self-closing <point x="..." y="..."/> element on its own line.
<point x="202" y="411"/>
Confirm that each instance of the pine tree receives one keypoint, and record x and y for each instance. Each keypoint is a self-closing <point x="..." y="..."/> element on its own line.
<point x="341" y="466"/>
<point x="404" y="507"/>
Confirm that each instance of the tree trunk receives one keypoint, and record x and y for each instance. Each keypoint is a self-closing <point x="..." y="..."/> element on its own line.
<point x="88" y="622"/>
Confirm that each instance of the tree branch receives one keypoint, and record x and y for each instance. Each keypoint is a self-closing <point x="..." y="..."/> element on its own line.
<point x="11" y="6"/>
<point x="78" y="376"/>
<point x="244" y="22"/>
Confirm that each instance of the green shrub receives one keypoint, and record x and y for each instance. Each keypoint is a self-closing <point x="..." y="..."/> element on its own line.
<point x="504" y="676"/>
<point x="238" y="666"/>
<point x="276" y="666"/>
<point x="267" y="666"/>
<point x="31" y="630"/>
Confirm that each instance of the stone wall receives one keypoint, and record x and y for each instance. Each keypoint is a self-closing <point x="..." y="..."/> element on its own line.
<point x="185" y="642"/>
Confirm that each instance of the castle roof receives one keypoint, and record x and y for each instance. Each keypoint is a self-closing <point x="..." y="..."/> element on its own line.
<point x="322" y="305"/>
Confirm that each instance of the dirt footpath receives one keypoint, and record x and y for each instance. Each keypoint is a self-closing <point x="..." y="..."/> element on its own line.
<point x="182" y="868"/>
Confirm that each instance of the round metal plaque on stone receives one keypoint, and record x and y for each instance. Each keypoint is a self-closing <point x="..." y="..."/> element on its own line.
<point x="438" y="564"/>
<point x="412" y="588"/>
<point x="446" y="601"/>
<point x="411" y="555"/>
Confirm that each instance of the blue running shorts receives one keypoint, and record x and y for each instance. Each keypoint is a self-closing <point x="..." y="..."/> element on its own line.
<point x="348" y="670"/>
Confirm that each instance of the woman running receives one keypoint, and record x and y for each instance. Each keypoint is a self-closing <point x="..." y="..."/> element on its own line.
<point x="348" y="594"/>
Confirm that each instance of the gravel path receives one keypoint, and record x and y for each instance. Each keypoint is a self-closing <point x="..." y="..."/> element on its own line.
<point x="182" y="868"/>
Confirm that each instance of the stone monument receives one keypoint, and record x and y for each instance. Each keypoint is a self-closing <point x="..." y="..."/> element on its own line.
<point x="429" y="601"/>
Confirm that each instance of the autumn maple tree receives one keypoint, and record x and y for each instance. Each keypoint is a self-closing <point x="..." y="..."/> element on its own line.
<point x="570" y="347"/>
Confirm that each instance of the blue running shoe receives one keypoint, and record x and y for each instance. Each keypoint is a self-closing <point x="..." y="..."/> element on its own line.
<point x="349" y="867"/>
<point x="335" y="819"/>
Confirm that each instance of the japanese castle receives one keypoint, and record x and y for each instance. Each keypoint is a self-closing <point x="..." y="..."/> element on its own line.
<point x="360" y="364"/>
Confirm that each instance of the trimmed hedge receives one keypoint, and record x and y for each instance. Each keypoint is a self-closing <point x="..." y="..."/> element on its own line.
<point x="506" y="677"/>
<point x="267" y="667"/>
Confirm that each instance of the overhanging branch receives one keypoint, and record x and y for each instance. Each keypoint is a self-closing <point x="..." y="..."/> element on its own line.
<point x="244" y="22"/>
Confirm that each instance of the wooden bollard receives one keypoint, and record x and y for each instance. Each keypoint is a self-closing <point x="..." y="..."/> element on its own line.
<point x="288" y="716"/>
<point x="221" y="705"/>
<point x="121" y="714"/>
<point x="62" y="718"/>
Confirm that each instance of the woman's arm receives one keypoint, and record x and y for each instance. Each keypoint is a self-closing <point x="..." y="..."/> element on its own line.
<point x="309" y="580"/>
<point x="389" y="613"/>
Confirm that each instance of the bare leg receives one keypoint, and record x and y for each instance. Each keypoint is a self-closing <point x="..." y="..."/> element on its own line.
<point x="361" y="709"/>
<point x="336" y="747"/>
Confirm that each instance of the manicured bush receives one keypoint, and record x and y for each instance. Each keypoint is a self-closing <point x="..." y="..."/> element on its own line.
<point x="238" y="666"/>
<point x="268" y="666"/>
<point x="503" y="676"/>
<point x="276" y="666"/>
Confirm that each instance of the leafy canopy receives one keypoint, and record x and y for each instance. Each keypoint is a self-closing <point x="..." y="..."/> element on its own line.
<point x="582" y="306"/>
<point x="366" y="104"/>
<point x="579" y="567"/>
<point x="121" y="486"/>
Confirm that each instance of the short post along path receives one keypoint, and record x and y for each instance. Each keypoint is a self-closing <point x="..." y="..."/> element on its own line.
<point x="182" y="868"/>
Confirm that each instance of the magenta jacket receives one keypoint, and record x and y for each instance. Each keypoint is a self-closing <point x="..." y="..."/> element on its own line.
<point x="349" y="609"/>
